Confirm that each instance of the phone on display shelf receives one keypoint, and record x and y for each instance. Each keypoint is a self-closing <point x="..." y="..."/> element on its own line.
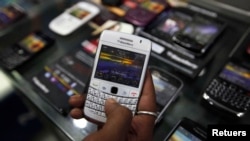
<point x="198" y="35"/>
<point x="167" y="89"/>
<point x="24" y="50"/>
<point x="229" y="90"/>
<point x="10" y="14"/>
<point x="145" y="12"/>
<point x="187" y="130"/>
<point x="73" y="18"/>
<point x="119" y="70"/>
<point x="167" y="24"/>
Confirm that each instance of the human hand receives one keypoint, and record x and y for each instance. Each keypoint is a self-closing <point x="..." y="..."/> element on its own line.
<point x="120" y="125"/>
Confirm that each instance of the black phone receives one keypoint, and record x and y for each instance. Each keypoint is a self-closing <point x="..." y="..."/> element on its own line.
<point x="10" y="14"/>
<point x="167" y="89"/>
<point x="167" y="24"/>
<point x="187" y="130"/>
<point x="199" y="34"/>
<point x="229" y="90"/>
<point x="22" y="51"/>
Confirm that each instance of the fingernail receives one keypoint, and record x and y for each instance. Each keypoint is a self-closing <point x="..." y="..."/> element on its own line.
<point x="111" y="100"/>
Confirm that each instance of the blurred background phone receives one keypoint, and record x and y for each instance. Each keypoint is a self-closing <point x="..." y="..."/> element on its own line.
<point x="10" y="14"/>
<point x="198" y="35"/>
<point x="17" y="54"/>
<point x="145" y="12"/>
<point x="167" y="88"/>
<point x="167" y="24"/>
<point x="73" y="18"/>
<point x="187" y="130"/>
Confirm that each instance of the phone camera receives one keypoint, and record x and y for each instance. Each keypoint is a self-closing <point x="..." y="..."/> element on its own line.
<point x="140" y="41"/>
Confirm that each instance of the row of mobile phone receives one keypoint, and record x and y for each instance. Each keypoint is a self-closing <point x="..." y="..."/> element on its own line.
<point x="229" y="90"/>
<point x="188" y="30"/>
<point x="22" y="51"/>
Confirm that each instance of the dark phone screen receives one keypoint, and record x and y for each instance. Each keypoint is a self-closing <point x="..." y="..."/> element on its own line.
<point x="199" y="34"/>
<point x="182" y="134"/>
<point x="172" y="23"/>
<point x="236" y="75"/>
<point x="187" y="130"/>
<point x="201" y="31"/>
<point x="120" y="66"/>
<point x="165" y="88"/>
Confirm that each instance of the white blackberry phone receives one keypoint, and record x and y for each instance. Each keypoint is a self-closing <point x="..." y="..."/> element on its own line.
<point x="74" y="17"/>
<point x="118" y="72"/>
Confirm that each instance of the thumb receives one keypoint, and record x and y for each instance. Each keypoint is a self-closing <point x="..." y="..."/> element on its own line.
<point x="116" y="112"/>
<point x="117" y="125"/>
<point x="118" y="119"/>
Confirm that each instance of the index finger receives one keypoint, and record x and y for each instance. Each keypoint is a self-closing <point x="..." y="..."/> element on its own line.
<point x="148" y="99"/>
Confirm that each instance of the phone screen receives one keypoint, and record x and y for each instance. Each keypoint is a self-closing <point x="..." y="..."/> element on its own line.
<point x="174" y="22"/>
<point x="8" y="15"/>
<point x="236" y="75"/>
<point x="165" y="88"/>
<point x="79" y="13"/>
<point x="182" y="134"/>
<point x="120" y="66"/>
<point x="153" y="6"/>
<point x="33" y="43"/>
<point x="198" y="34"/>
<point x="201" y="30"/>
<point x="187" y="130"/>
